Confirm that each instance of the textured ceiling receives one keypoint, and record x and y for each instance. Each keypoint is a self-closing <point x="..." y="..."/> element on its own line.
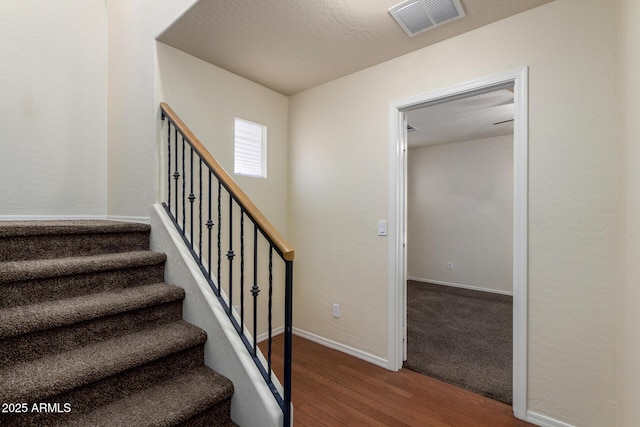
<point x="479" y="116"/>
<point x="293" y="45"/>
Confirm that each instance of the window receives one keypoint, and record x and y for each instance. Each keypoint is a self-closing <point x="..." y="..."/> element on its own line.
<point x="250" y="152"/>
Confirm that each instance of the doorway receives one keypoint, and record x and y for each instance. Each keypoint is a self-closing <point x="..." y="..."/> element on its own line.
<point x="460" y="242"/>
<point x="398" y="217"/>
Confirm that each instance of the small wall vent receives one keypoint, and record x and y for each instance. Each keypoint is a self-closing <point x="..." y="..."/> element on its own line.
<point x="417" y="16"/>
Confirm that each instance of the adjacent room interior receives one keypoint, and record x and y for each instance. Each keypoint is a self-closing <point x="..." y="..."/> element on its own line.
<point x="460" y="242"/>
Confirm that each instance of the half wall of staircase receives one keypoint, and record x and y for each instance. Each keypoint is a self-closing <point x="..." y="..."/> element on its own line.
<point x="253" y="403"/>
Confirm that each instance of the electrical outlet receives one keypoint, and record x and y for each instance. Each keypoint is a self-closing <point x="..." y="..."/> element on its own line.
<point x="336" y="310"/>
<point x="449" y="266"/>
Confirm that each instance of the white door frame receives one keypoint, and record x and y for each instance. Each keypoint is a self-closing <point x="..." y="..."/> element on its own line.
<point x="397" y="219"/>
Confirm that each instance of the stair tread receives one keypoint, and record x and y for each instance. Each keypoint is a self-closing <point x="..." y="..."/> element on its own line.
<point x="168" y="403"/>
<point x="36" y="228"/>
<point x="13" y="271"/>
<point x="87" y="319"/>
<point x="61" y="372"/>
<point x="51" y="314"/>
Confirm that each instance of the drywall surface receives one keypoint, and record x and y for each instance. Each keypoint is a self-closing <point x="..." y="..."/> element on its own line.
<point x="629" y="294"/>
<point x="460" y="211"/>
<point x="133" y="124"/>
<point x="53" y="123"/>
<point x="208" y="99"/>
<point x="339" y="184"/>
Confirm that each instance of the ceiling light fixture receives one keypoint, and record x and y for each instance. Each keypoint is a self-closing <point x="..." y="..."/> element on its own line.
<point x="417" y="16"/>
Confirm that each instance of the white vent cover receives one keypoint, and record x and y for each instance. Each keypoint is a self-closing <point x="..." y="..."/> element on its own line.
<point x="416" y="16"/>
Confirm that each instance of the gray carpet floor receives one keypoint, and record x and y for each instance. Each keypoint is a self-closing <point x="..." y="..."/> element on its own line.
<point x="462" y="337"/>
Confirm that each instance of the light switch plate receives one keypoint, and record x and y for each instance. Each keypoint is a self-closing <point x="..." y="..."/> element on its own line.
<point x="382" y="228"/>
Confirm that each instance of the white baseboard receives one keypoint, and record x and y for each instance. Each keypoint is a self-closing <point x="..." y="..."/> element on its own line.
<point x="545" y="421"/>
<point x="457" y="285"/>
<point x="143" y="219"/>
<point x="367" y="357"/>
<point x="50" y="217"/>
<point x="265" y="336"/>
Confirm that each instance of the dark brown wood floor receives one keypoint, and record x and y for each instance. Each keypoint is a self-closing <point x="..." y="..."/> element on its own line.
<point x="331" y="388"/>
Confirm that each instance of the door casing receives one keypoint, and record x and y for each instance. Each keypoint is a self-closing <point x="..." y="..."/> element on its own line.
<point x="398" y="219"/>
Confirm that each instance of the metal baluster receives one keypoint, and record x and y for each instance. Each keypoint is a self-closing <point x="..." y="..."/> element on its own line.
<point x="168" y="163"/>
<point x="270" y="307"/>
<point x="183" y="191"/>
<point x="209" y="225"/>
<point x="230" y="254"/>
<point x="219" y="232"/>
<point x="255" y="290"/>
<point x="176" y="174"/>
<point x="288" y="340"/>
<point x="241" y="331"/>
<point x="200" y="212"/>
<point x="192" y="196"/>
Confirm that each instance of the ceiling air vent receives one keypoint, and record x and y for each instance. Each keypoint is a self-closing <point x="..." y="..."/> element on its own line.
<point x="416" y="16"/>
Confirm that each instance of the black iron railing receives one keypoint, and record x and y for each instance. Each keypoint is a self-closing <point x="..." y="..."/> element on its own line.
<point x="197" y="186"/>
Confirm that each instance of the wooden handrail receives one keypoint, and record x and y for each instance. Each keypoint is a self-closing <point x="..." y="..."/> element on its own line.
<point x="243" y="200"/>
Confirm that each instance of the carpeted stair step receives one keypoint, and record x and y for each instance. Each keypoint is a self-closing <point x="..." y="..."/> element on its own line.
<point x="87" y="323"/>
<point x="32" y="331"/>
<point x="181" y="400"/>
<point x="65" y="371"/>
<point x="17" y="271"/>
<point x="33" y="281"/>
<point x="22" y="240"/>
<point x="87" y="398"/>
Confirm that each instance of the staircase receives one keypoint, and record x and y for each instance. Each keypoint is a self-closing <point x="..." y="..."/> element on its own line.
<point x="90" y="335"/>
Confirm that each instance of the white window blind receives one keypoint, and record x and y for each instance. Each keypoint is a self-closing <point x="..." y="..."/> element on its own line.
<point x="250" y="152"/>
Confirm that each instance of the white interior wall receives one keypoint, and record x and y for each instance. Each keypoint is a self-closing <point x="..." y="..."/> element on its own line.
<point x="629" y="293"/>
<point x="460" y="210"/>
<point x="208" y="99"/>
<point x="339" y="190"/>
<point x="53" y="114"/>
<point x="133" y="113"/>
